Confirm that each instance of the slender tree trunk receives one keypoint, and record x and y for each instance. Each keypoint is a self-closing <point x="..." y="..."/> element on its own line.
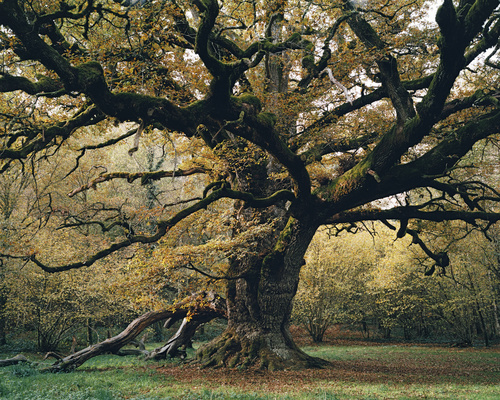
<point x="484" y="331"/>
<point x="90" y="339"/>
<point x="496" y="320"/>
<point x="3" y="338"/>
<point x="3" y="302"/>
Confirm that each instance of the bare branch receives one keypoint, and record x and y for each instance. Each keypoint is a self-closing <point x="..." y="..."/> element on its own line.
<point x="216" y="278"/>
<point x="42" y="137"/>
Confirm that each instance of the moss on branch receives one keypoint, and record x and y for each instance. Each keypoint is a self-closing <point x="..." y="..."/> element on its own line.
<point x="10" y="83"/>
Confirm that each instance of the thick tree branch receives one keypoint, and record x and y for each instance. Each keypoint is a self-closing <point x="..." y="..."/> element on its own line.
<point x="389" y="74"/>
<point x="457" y="105"/>
<point x="412" y="212"/>
<point x="44" y="86"/>
<point x="145" y="177"/>
<point x="315" y="69"/>
<point x="450" y="150"/>
<point x="209" y="10"/>
<point x="456" y="36"/>
<point x="342" y="145"/>
<point x="199" y="306"/>
<point x="419" y="173"/>
<point x="255" y="202"/>
<point x="260" y="130"/>
<point x="65" y="12"/>
<point x="360" y="102"/>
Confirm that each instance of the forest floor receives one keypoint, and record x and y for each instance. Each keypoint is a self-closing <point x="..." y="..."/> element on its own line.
<point x="357" y="363"/>
<point x="359" y="370"/>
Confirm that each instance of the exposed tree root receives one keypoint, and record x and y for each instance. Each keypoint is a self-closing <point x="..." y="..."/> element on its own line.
<point x="265" y="351"/>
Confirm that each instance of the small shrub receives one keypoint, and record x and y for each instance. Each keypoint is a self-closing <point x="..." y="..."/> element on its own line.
<point x="19" y="344"/>
<point x="23" y="370"/>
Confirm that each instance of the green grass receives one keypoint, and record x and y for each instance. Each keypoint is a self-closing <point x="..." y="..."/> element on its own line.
<point x="357" y="372"/>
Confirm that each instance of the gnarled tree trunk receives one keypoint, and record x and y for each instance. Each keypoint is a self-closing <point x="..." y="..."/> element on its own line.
<point x="260" y="305"/>
<point x="260" y="300"/>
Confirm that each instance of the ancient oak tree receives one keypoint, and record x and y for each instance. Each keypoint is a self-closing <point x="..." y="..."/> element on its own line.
<point x="309" y="112"/>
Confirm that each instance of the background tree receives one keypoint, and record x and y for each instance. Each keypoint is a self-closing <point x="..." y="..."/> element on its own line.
<point x="386" y="288"/>
<point x="333" y="285"/>
<point x="303" y="114"/>
<point x="87" y="305"/>
<point x="466" y="294"/>
<point x="15" y="187"/>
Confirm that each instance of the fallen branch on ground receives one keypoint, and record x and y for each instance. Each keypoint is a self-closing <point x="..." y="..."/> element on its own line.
<point x="14" y="360"/>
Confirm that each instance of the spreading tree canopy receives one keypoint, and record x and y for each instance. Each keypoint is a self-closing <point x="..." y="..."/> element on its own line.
<point x="310" y="113"/>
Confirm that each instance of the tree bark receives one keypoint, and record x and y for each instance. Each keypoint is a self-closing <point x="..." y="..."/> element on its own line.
<point x="179" y="340"/>
<point x="3" y="302"/>
<point x="496" y="320"/>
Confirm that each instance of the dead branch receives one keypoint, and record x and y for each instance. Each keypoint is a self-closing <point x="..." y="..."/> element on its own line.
<point x="14" y="360"/>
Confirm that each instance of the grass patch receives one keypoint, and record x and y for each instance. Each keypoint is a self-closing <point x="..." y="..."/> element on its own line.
<point x="357" y="372"/>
